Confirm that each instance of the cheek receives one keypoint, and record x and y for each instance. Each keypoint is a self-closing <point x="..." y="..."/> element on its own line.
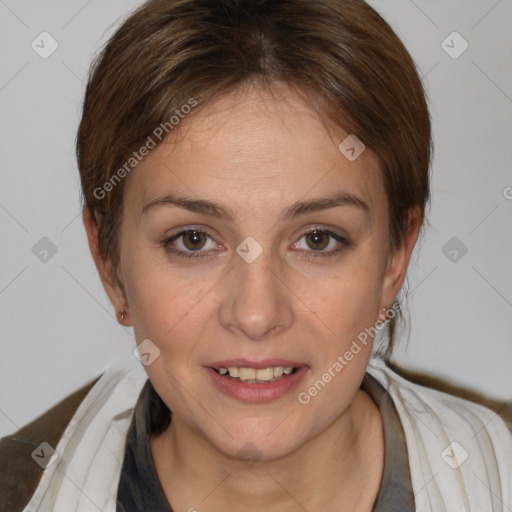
<point x="164" y="305"/>
<point x="347" y="301"/>
<point x="168" y="303"/>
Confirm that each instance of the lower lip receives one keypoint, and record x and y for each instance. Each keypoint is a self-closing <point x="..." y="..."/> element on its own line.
<point x="257" y="392"/>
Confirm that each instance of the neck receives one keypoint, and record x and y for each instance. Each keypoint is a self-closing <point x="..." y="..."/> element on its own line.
<point x="342" y="464"/>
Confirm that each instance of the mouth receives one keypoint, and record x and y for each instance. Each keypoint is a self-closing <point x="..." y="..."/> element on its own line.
<point x="256" y="376"/>
<point x="256" y="381"/>
<point x="268" y="370"/>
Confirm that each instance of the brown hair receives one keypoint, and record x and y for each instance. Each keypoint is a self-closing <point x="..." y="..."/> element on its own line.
<point x="341" y="53"/>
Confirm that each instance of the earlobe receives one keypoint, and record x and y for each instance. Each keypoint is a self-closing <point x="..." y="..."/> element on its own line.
<point x="122" y="317"/>
<point x="399" y="260"/>
<point x="105" y="270"/>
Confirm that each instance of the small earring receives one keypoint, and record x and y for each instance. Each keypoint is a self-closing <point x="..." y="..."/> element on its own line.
<point x="382" y="316"/>
<point x="122" y="314"/>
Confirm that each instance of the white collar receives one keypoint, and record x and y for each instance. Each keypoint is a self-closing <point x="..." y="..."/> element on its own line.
<point x="85" y="476"/>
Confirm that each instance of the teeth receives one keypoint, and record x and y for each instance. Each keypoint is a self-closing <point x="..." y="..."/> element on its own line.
<point x="252" y="375"/>
<point x="233" y="371"/>
<point x="245" y="373"/>
<point x="264" y="373"/>
<point x="278" y="371"/>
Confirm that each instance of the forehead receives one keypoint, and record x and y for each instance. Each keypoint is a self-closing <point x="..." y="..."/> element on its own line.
<point x="251" y="146"/>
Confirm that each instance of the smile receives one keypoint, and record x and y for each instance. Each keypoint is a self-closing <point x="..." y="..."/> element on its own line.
<point x="256" y="385"/>
<point x="260" y="375"/>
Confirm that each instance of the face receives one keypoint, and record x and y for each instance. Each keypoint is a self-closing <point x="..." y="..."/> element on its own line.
<point x="257" y="266"/>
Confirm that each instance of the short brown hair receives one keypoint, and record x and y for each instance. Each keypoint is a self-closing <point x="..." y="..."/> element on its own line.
<point x="342" y="53"/>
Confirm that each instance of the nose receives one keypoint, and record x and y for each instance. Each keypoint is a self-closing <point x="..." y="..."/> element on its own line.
<point x="256" y="302"/>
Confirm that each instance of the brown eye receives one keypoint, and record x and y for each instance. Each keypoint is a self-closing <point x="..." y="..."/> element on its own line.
<point x="189" y="243"/>
<point x="194" y="240"/>
<point x="321" y="243"/>
<point x="317" y="239"/>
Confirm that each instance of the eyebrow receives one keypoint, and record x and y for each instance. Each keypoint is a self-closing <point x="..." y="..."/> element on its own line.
<point x="295" y="210"/>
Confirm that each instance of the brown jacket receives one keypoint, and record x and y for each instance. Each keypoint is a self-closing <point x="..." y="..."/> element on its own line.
<point x="19" y="474"/>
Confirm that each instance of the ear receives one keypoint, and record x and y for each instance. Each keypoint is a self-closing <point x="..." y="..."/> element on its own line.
<point x="398" y="261"/>
<point x="105" y="270"/>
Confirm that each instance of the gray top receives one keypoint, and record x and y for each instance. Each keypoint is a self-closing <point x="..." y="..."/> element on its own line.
<point x="140" y="489"/>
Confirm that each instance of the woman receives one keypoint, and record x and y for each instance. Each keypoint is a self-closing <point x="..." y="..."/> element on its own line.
<point x="255" y="176"/>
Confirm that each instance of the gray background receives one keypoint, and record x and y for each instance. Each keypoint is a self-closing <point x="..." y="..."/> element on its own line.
<point x="58" y="328"/>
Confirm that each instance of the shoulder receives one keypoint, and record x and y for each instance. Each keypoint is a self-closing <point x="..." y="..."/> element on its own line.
<point x="467" y="400"/>
<point x="20" y="473"/>
<point x="443" y="394"/>
<point x="460" y="447"/>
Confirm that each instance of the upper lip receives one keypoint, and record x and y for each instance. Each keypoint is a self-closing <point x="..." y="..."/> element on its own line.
<point x="245" y="363"/>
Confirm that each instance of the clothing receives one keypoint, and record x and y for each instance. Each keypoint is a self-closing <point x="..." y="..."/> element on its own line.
<point x="19" y="475"/>
<point x="91" y="451"/>
<point x="140" y="489"/>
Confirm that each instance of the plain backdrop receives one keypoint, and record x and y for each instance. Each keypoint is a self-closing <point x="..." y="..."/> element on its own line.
<point x="58" y="329"/>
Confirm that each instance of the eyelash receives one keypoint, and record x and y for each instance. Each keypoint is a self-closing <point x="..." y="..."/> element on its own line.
<point x="344" y="244"/>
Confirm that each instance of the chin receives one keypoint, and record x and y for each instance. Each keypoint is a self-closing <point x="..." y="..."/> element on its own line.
<point x="257" y="440"/>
